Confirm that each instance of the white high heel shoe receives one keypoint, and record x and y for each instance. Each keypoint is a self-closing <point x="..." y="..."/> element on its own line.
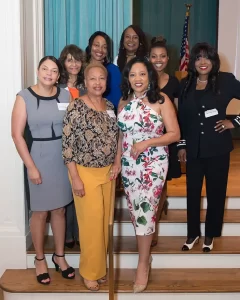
<point x="187" y="247"/>
<point x="207" y="248"/>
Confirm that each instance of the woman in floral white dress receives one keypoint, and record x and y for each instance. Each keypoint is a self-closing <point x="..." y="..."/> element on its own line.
<point x="143" y="151"/>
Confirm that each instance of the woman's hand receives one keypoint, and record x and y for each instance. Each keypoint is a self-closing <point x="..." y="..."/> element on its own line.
<point x="34" y="175"/>
<point x="223" y="125"/>
<point x="115" y="170"/>
<point x="138" y="148"/>
<point x="182" y="155"/>
<point x="78" y="187"/>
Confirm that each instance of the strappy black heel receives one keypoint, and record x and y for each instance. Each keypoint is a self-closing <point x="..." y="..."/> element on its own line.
<point x="65" y="273"/>
<point x="43" y="276"/>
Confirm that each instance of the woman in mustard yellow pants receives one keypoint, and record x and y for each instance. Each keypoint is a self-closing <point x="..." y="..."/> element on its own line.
<point x="89" y="150"/>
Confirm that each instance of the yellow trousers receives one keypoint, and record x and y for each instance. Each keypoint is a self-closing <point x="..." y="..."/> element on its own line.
<point x="93" y="217"/>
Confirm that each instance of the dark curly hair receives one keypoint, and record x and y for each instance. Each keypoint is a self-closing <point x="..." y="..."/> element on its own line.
<point x="158" y="42"/>
<point x="108" y="58"/>
<point x="77" y="54"/>
<point x="203" y="49"/>
<point x="142" y="50"/>
<point x="153" y="93"/>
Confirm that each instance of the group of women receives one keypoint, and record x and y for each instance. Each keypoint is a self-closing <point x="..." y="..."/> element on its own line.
<point x="90" y="120"/>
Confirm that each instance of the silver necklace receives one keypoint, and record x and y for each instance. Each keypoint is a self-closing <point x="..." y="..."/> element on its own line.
<point x="202" y="81"/>
<point x="141" y="97"/>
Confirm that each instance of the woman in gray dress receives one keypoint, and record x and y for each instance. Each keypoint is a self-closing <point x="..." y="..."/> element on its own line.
<point x="42" y="106"/>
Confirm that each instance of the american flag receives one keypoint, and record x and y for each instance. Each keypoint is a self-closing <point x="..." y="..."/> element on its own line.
<point x="184" y="53"/>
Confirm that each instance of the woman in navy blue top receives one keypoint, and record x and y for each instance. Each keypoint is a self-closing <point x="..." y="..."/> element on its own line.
<point x="99" y="50"/>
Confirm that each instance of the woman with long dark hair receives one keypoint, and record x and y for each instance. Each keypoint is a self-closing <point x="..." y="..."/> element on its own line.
<point x="71" y="78"/>
<point x="143" y="152"/>
<point x="133" y="43"/>
<point x="206" y="140"/>
<point x="159" y="57"/>
<point x="99" y="49"/>
<point x="72" y="61"/>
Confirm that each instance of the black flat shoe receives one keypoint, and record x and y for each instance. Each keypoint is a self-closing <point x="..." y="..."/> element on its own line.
<point x="65" y="273"/>
<point x="69" y="245"/>
<point x="208" y="246"/>
<point x="190" y="243"/>
<point x="43" y="276"/>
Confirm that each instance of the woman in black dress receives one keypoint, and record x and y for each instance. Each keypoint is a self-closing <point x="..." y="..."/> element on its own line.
<point x="169" y="85"/>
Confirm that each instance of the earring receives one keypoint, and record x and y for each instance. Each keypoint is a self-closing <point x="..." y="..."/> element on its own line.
<point x="148" y="87"/>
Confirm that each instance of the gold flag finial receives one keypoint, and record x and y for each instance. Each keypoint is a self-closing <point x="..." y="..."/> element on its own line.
<point x="188" y="6"/>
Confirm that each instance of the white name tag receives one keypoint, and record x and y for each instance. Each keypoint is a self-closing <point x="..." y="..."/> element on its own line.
<point x="62" y="106"/>
<point x="211" y="112"/>
<point x="111" y="113"/>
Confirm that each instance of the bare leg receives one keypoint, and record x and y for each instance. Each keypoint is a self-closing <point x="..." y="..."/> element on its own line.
<point x="58" y="225"/>
<point x="144" y="244"/>
<point x="161" y="204"/>
<point x="37" y="227"/>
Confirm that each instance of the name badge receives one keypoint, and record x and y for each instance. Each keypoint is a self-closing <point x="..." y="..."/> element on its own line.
<point x="210" y="113"/>
<point x="62" y="106"/>
<point x="111" y="114"/>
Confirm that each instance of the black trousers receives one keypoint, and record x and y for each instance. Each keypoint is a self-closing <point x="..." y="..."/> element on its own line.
<point x="215" y="170"/>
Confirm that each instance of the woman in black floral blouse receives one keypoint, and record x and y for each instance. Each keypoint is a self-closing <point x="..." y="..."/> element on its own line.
<point x="89" y="149"/>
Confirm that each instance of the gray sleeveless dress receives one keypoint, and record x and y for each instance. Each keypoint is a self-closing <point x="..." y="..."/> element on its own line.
<point x="45" y="117"/>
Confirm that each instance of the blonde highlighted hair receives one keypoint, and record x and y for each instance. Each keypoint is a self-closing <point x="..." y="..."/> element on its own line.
<point x="95" y="65"/>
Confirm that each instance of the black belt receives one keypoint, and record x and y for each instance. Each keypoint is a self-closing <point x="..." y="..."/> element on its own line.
<point x="47" y="139"/>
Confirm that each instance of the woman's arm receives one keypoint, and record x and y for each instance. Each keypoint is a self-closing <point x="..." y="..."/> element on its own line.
<point x="173" y="132"/>
<point x="77" y="184"/>
<point x="68" y="149"/>
<point x="170" y="122"/>
<point x="116" y="167"/>
<point x="19" y="120"/>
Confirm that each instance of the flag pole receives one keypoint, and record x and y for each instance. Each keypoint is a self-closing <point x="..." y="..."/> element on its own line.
<point x="188" y="6"/>
<point x="182" y="74"/>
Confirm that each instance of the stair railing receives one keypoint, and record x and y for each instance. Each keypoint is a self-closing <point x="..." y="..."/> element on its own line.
<point x="110" y="245"/>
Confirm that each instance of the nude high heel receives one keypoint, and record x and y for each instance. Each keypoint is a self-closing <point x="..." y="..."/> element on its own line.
<point x="138" y="288"/>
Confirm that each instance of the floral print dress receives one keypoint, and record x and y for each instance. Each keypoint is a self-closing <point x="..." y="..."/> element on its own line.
<point x="143" y="178"/>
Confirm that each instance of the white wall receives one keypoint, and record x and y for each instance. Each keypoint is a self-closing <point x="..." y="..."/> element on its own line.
<point x="229" y="43"/>
<point x="21" y="26"/>
<point x="12" y="206"/>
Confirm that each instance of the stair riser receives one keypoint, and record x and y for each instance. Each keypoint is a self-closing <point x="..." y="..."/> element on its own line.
<point x="168" y="229"/>
<point x="180" y="202"/>
<point x="122" y="296"/>
<point x="160" y="260"/>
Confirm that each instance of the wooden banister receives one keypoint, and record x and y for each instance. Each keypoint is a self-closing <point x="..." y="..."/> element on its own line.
<point x="110" y="244"/>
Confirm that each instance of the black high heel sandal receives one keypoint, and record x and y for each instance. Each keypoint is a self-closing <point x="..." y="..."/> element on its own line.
<point x="66" y="272"/>
<point x="43" y="276"/>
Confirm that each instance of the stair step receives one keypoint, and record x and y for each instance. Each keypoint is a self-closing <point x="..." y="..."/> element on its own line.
<point x="160" y="281"/>
<point x="167" y="254"/>
<point x="179" y="216"/>
<point x="166" y="245"/>
<point x="178" y="202"/>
